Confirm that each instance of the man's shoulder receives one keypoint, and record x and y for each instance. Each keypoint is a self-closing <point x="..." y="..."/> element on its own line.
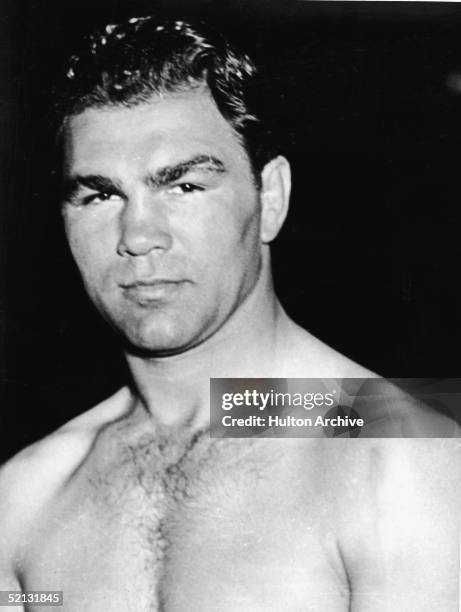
<point x="396" y="515"/>
<point x="388" y="411"/>
<point x="405" y="451"/>
<point x="392" y="411"/>
<point x="104" y="413"/>
<point x="370" y="463"/>
<point x="33" y="475"/>
<point x="404" y="487"/>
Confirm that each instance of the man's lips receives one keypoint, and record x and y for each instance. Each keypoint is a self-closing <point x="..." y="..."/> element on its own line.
<point x="150" y="290"/>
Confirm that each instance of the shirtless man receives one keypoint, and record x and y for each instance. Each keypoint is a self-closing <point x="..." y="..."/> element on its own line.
<point x="170" y="203"/>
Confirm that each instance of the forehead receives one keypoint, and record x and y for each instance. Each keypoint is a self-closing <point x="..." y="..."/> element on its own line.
<point x="158" y="131"/>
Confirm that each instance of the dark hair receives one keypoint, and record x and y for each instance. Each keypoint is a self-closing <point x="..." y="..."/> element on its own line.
<point x="126" y="64"/>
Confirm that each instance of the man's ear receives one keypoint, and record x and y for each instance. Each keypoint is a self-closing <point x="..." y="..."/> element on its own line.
<point x="275" y="196"/>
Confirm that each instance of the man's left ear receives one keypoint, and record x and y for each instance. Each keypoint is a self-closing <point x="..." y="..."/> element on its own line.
<point x="275" y="196"/>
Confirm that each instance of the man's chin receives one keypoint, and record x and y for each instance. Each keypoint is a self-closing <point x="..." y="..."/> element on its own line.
<point x="162" y="334"/>
<point x="157" y="342"/>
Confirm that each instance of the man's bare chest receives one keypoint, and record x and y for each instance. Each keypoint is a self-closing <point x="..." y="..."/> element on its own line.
<point x="206" y="527"/>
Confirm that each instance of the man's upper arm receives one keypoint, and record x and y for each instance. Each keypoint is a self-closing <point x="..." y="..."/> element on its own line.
<point x="27" y="483"/>
<point x="403" y="555"/>
<point x="11" y="478"/>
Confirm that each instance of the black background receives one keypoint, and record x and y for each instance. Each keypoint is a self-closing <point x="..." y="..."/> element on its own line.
<point x="365" y="96"/>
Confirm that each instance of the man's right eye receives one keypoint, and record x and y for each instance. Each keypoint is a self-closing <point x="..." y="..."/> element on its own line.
<point x="96" y="198"/>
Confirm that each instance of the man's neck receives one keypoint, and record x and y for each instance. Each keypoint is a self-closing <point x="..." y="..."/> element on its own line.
<point x="175" y="389"/>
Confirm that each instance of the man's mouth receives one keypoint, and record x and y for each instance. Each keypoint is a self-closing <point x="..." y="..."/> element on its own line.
<point x="144" y="292"/>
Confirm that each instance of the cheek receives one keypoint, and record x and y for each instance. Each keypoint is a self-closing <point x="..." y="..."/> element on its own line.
<point x="231" y="223"/>
<point x="89" y="250"/>
<point x="230" y="249"/>
<point x="241" y="235"/>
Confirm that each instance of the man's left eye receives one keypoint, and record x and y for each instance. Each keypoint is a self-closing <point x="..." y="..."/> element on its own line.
<point x="184" y="188"/>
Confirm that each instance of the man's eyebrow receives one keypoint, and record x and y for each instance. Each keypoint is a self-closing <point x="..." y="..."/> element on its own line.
<point x="169" y="174"/>
<point x="96" y="182"/>
<point x="164" y="176"/>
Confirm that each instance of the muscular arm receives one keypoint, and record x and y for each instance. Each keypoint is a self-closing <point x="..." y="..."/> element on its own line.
<point x="10" y="520"/>
<point x="31" y="482"/>
<point x="402" y="554"/>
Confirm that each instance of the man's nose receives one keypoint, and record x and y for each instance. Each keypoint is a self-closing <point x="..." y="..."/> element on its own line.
<point x="144" y="227"/>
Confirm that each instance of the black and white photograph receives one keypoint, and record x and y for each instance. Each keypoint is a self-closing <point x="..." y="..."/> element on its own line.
<point x="230" y="306"/>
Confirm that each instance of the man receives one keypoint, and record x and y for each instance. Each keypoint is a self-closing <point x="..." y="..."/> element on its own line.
<point x="171" y="200"/>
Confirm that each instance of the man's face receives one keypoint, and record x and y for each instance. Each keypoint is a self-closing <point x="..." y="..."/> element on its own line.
<point x="162" y="217"/>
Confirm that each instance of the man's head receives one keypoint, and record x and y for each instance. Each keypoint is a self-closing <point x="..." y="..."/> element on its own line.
<point x="162" y="210"/>
<point x="127" y="64"/>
